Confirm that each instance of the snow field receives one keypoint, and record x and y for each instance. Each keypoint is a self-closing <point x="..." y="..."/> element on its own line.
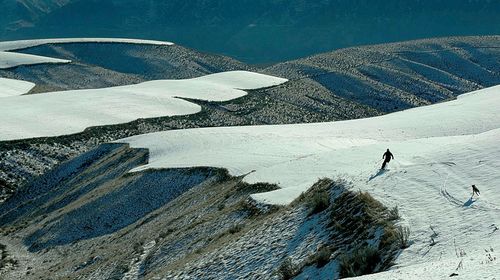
<point x="440" y="151"/>
<point x="347" y="147"/>
<point x="478" y="266"/>
<point x="11" y="87"/>
<point x="66" y="112"/>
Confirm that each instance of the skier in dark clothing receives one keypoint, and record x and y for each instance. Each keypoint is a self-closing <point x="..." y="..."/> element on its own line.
<point x="475" y="190"/>
<point x="387" y="157"/>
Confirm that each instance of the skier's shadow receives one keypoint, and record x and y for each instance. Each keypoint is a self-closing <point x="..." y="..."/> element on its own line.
<point x="469" y="202"/>
<point x="380" y="172"/>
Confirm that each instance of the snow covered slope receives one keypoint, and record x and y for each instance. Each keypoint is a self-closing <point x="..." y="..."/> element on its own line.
<point x="66" y="112"/>
<point x="10" y="59"/>
<point x="10" y="87"/>
<point x="440" y="150"/>
<point x="345" y="146"/>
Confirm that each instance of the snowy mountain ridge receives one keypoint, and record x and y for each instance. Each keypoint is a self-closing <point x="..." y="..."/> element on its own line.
<point x="66" y="112"/>
<point x="9" y="58"/>
<point x="23" y="44"/>
<point x="312" y="142"/>
<point x="440" y="150"/>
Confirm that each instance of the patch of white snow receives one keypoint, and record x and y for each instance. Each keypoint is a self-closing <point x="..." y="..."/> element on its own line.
<point x="66" y="112"/>
<point x="10" y="87"/>
<point x="11" y="60"/>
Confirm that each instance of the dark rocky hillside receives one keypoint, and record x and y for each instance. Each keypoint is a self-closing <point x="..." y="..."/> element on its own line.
<point x="112" y="64"/>
<point x="92" y="219"/>
<point x="391" y="77"/>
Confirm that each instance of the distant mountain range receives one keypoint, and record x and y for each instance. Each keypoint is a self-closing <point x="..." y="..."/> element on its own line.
<point x="253" y="31"/>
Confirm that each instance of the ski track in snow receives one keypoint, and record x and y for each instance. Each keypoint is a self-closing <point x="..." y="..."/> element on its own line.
<point x="440" y="151"/>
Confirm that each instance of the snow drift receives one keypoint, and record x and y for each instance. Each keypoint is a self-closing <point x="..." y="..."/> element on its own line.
<point x="66" y="112"/>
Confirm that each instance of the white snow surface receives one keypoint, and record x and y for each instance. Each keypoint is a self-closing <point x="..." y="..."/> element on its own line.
<point x="22" y="44"/>
<point x="11" y="59"/>
<point x="11" y="87"/>
<point x="440" y="151"/>
<point x="66" y="112"/>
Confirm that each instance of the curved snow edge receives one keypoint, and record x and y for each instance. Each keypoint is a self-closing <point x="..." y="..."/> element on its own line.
<point x="23" y="44"/>
<point x="69" y="112"/>
<point x="13" y="87"/>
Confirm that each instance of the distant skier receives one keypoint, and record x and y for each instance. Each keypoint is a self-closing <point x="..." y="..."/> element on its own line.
<point x="475" y="190"/>
<point x="387" y="157"/>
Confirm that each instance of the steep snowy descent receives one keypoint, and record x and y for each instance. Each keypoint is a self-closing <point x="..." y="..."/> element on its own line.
<point x="440" y="151"/>
<point x="66" y="112"/>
